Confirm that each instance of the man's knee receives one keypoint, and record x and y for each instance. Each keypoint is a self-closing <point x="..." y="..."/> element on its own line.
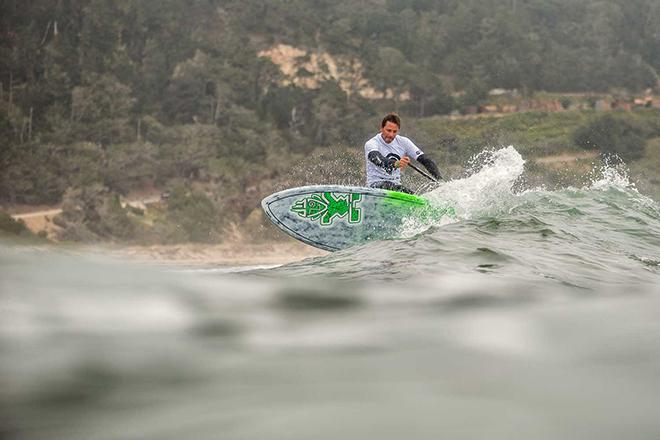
<point x="391" y="186"/>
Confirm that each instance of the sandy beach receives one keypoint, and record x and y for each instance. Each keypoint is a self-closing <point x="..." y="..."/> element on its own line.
<point x="232" y="253"/>
<point x="226" y="254"/>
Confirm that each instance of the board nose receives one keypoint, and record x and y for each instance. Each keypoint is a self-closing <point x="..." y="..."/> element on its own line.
<point x="265" y="206"/>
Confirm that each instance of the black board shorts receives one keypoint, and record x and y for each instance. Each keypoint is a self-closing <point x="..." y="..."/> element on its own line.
<point x="384" y="184"/>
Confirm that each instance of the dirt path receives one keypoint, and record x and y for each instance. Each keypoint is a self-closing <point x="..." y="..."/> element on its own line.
<point x="41" y="218"/>
<point x="31" y="215"/>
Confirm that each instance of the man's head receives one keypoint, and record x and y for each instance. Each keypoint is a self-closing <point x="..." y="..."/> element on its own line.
<point x="389" y="127"/>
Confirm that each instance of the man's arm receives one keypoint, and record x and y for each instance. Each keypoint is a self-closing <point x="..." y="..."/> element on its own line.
<point x="429" y="165"/>
<point x="386" y="163"/>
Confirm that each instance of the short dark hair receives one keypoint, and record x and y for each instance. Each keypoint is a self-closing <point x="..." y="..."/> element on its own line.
<point x="391" y="117"/>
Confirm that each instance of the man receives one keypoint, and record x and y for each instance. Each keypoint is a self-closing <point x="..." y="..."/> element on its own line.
<point x="388" y="153"/>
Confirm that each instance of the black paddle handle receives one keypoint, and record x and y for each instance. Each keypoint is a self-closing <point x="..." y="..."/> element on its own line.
<point x="431" y="178"/>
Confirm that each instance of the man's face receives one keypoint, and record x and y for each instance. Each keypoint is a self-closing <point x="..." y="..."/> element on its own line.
<point x="389" y="131"/>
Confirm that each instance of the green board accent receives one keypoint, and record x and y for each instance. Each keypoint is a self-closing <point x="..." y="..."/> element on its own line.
<point x="402" y="204"/>
<point x="410" y="198"/>
<point x="327" y="206"/>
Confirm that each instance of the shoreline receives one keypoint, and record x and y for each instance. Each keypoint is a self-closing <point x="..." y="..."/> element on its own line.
<point x="228" y="254"/>
<point x="225" y="254"/>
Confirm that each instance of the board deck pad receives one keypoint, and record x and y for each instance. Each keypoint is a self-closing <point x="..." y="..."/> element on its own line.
<point x="333" y="217"/>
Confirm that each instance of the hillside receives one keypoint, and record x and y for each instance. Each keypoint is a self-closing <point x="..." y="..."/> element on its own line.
<point x="545" y="140"/>
<point x="219" y="102"/>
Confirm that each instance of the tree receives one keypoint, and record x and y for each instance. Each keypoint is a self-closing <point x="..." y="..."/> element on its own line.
<point x="101" y="111"/>
<point x="130" y="166"/>
<point x="30" y="173"/>
<point x="187" y="150"/>
<point x="190" y="94"/>
<point x="392" y="71"/>
<point x="427" y="95"/>
<point x="475" y="93"/>
<point x="279" y="103"/>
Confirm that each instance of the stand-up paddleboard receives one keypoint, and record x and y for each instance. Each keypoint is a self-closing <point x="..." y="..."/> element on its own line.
<point x="334" y="217"/>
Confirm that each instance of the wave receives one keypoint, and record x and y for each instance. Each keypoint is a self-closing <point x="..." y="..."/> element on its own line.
<point x="579" y="238"/>
<point x="495" y="184"/>
<point x="522" y="280"/>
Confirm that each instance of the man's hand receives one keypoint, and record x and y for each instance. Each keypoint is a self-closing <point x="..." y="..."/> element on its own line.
<point x="403" y="162"/>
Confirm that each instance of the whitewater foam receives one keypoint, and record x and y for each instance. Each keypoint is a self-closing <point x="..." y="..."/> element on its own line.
<point x="489" y="186"/>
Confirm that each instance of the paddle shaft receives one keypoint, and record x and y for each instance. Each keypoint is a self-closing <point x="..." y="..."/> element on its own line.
<point x="431" y="178"/>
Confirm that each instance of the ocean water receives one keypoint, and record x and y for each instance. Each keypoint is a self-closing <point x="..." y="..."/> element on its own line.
<point x="533" y="313"/>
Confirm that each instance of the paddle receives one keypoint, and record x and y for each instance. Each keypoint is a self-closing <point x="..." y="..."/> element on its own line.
<point x="428" y="176"/>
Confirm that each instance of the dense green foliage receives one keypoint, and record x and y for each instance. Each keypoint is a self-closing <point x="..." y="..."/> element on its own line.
<point x="191" y="216"/>
<point x="10" y="227"/>
<point x="93" y="213"/>
<point x="16" y="230"/>
<point x="98" y="97"/>
<point x="612" y="134"/>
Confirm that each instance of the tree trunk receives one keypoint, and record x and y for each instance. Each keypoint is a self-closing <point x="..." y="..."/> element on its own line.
<point x="43" y="40"/>
<point x="216" y="116"/>
<point x="30" y="124"/>
<point x="23" y="130"/>
<point x="11" y="86"/>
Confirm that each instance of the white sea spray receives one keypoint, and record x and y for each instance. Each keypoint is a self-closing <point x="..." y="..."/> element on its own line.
<point x="489" y="187"/>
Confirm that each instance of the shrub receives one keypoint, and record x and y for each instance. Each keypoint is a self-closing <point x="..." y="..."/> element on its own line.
<point x="192" y="216"/>
<point x="9" y="226"/>
<point x="612" y="134"/>
<point x="11" y="229"/>
<point x="93" y="213"/>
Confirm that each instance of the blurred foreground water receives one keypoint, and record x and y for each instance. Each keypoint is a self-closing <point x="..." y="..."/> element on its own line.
<point x="535" y="314"/>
